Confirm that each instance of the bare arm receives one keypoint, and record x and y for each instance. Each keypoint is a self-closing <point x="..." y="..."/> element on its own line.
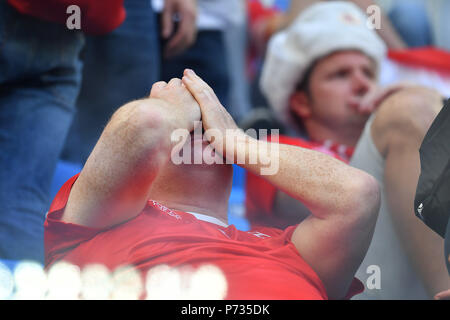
<point x="289" y="209"/>
<point x="115" y="182"/>
<point x="344" y="201"/>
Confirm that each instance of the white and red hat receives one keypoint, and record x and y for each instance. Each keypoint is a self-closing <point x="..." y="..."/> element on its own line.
<point x="320" y="30"/>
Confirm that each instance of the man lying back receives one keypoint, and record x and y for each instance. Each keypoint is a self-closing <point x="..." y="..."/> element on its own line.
<point x="132" y="205"/>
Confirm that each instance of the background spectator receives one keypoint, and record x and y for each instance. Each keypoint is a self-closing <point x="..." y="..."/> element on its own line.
<point x="40" y="76"/>
<point x="121" y="67"/>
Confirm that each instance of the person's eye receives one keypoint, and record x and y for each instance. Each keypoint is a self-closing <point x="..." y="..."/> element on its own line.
<point x="369" y="73"/>
<point x="341" y="74"/>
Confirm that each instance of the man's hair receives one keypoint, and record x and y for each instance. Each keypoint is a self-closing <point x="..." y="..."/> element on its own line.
<point x="304" y="86"/>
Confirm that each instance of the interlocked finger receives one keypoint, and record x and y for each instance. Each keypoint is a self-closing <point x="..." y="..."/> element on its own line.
<point x="157" y="86"/>
<point x="175" y="82"/>
<point x="201" y="91"/>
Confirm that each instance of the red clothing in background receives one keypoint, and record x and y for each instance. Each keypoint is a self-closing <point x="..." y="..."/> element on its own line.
<point x="260" y="194"/>
<point x="97" y="17"/>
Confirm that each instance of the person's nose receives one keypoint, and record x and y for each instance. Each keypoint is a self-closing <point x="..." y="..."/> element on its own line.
<point x="361" y="83"/>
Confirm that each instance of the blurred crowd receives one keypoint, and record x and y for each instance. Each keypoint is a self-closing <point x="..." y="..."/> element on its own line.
<point x="312" y="69"/>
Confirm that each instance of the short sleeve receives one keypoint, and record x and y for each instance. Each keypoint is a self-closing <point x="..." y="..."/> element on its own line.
<point x="61" y="237"/>
<point x="356" y="287"/>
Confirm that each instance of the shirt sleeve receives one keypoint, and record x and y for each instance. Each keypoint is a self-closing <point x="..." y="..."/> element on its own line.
<point x="356" y="287"/>
<point x="61" y="237"/>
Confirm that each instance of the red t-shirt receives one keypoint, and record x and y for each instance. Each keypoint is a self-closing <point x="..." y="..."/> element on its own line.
<point x="260" y="194"/>
<point x="259" y="264"/>
<point x="97" y="16"/>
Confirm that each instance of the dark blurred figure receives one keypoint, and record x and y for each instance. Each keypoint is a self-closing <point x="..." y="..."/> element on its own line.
<point x="122" y="66"/>
<point x="208" y="54"/>
<point x="432" y="199"/>
<point x="40" y="74"/>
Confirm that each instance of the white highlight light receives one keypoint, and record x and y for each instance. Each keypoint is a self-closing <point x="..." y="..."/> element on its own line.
<point x="97" y="283"/>
<point x="169" y="283"/>
<point x="127" y="284"/>
<point x="164" y="283"/>
<point x="31" y="281"/>
<point x="6" y="282"/>
<point x="207" y="283"/>
<point x="64" y="282"/>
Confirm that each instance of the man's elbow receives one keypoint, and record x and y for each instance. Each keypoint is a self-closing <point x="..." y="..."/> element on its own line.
<point x="142" y="124"/>
<point x="365" y="198"/>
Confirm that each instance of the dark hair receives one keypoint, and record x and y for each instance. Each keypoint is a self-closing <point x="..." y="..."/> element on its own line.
<point x="303" y="86"/>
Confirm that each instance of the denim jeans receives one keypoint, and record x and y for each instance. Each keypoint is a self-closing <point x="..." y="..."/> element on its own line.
<point x="118" y="67"/>
<point x="411" y="21"/>
<point x="40" y="75"/>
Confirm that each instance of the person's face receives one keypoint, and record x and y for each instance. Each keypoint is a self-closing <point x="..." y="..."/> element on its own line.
<point x="337" y="84"/>
<point x="194" y="168"/>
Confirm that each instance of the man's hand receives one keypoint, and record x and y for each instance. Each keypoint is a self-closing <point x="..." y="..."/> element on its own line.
<point x="115" y="182"/>
<point x="215" y="118"/>
<point x="444" y="295"/>
<point x="186" y="13"/>
<point x="180" y="101"/>
<point x="375" y="97"/>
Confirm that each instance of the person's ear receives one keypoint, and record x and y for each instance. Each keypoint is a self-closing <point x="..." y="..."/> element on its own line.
<point x="300" y="104"/>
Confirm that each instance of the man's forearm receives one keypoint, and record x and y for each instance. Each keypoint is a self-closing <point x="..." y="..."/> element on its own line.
<point x="325" y="185"/>
<point x="343" y="202"/>
<point x="115" y="182"/>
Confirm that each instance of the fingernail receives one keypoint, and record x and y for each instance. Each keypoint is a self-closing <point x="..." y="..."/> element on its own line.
<point x="190" y="72"/>
<point x="186" y="79"/>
